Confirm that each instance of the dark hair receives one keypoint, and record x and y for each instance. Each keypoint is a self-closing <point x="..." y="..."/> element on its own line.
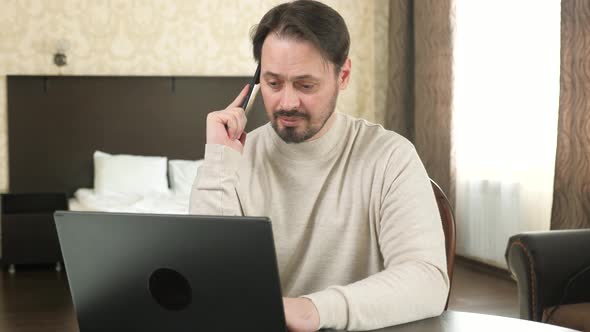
<point x="306" y="20"/>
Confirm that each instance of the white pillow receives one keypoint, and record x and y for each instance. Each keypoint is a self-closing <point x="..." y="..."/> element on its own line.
<point x="182" y="174"/>
<point x="128" y="174"/>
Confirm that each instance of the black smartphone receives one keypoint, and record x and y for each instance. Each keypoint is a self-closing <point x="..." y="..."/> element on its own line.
<point x="252" y="91"/>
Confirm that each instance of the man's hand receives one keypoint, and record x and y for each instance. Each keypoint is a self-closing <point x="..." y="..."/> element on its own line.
<point x="226" y="127"/>
<point x="301" y="315"/>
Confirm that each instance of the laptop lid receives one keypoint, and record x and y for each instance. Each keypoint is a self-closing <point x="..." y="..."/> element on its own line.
<point x="148" y="272"/>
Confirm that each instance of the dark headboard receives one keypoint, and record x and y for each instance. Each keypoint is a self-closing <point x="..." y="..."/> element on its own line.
<point x="55" y="123"/>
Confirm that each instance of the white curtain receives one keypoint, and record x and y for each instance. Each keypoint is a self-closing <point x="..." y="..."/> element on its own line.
<point x="506" y="99"/>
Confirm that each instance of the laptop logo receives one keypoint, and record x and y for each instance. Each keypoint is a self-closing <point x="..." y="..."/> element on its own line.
<point x="170" y="289"/>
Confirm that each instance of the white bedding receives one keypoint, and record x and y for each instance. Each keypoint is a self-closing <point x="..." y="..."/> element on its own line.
<point x="165" y="203"/>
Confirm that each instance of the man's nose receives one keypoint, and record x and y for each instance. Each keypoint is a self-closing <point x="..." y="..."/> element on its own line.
<point x="289" y="99"/>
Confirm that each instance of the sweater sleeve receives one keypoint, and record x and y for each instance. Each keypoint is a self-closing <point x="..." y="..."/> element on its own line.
<point x="214" y="189"/>
<point x="414" y="283"/>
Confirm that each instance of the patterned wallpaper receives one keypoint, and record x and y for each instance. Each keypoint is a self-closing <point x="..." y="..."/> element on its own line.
<point x="571" y="197"/>
<point x="171" y="37"/>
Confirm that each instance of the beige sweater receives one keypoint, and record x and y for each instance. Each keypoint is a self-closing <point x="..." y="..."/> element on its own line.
<point x="355" y="222"/>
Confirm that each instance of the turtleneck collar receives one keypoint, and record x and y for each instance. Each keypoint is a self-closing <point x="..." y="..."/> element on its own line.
<point x="319" y="149"/>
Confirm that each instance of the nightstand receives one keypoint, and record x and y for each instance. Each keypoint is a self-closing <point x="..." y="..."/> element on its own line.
<point x="28" y="229"/>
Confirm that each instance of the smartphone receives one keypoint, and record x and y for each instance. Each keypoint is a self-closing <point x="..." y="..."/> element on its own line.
<point x="252" y="91"/>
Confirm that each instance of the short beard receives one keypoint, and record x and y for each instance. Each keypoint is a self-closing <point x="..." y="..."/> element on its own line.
<point x="290" y="134"/>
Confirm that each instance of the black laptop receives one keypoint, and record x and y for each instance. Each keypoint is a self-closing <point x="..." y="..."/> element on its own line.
<point x="147" y="272"/>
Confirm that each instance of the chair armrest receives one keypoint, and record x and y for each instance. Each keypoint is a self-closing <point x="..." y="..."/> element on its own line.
<point x="542" y="263"/>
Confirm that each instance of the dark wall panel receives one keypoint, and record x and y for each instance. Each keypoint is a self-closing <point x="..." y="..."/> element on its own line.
<point x="56" y="123"/>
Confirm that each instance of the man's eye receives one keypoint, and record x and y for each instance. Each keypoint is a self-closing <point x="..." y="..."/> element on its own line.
<point x="274" y="85"/>
<point x="306" y="86"/>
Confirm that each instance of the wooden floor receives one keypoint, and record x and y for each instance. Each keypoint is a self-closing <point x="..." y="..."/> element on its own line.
<point x="39" y="300"/>
<point x="482" y="292"/>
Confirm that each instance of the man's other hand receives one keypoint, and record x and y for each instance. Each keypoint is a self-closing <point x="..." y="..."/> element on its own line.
<point x="301" y="315"/>
<point x="226" y="127"/>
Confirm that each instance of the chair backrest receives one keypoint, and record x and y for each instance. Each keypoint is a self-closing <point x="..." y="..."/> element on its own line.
<point x="448" y="223"/>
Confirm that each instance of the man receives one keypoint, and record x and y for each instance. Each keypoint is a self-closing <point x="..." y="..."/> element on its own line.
<point x="358" y="235"/>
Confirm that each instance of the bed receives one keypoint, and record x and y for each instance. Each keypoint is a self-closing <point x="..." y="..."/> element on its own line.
<point x="58" y="124"/>
<point x="137" y="184"/>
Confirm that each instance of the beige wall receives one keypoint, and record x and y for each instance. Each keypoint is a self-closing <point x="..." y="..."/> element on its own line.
<point x="170" y="37"/>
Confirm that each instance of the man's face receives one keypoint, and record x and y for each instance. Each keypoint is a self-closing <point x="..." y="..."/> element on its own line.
<point x="299" y="88"/>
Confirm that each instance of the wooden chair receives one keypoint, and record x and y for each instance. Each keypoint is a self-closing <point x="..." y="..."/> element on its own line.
<point x="448" y="223"/>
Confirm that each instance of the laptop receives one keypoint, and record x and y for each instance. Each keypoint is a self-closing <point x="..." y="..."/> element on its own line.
<point x="148" y="272"/>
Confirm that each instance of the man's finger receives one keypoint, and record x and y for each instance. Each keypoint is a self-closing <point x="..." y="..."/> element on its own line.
<point x="241" y="117"/>
<point x="240" y="98"/>
<point x="243" y="138"/>
<point x="232" y="126"/>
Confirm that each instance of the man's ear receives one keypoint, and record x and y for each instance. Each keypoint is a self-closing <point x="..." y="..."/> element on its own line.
<point x="344" y="76"/>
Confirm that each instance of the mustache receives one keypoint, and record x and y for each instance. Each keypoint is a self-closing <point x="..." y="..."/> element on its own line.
<point x="291" y="113"/>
